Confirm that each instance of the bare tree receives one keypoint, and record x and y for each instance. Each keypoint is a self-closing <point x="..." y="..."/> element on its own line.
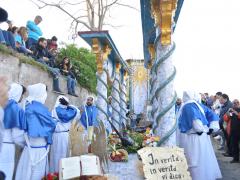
<point x="92" y="14"/>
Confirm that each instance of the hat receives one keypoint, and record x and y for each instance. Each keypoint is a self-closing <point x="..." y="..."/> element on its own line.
<point x="3" y="15"/>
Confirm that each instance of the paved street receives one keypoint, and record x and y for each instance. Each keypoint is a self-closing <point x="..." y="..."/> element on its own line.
<point x="126" y="171"/>
<point x="229" y="171"/>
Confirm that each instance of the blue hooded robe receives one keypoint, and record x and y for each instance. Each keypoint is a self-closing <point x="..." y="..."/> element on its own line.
<point x="190" y="112"/>
<point x="13" y="115"/>
<point x="66" y="114"/>
<point x="39" y="121"/>
<point x="210" y="115"/>
<point x="92" y="116"/>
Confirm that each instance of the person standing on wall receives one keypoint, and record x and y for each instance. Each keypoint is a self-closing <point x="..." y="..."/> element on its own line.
<point x="34" y="31"/>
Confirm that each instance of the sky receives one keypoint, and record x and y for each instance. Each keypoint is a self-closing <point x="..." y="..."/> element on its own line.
<point x="207" y="39"/>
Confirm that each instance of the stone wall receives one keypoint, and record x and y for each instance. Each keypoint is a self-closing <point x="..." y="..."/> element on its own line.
<point x="26" y="74"/>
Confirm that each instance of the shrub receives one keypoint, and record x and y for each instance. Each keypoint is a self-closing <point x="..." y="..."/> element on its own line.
<point x="84" y="65"/>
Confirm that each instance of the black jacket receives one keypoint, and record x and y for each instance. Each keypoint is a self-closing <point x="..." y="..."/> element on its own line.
<point x="235" y="122"/>
<point x="40" y="52"/>
<point x="224" y="109"/>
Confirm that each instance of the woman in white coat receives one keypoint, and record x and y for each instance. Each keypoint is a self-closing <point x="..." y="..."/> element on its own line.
<point x="12" y="123"/>
<point x="63" y="113"/>
<point x="39" y="127"/>
<point x="194" y="138"/>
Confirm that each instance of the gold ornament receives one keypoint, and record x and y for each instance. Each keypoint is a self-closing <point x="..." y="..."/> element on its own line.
<point x="163" y="13"/>
<point x="101" y="54"/>
<point x="140" y="75"/>
<point x="118" y="67"/>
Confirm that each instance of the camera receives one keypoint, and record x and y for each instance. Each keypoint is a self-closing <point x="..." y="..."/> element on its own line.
<point x="230" y="111"/>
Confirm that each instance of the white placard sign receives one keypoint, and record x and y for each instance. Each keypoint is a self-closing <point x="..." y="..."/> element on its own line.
<point x="164" y="163"/>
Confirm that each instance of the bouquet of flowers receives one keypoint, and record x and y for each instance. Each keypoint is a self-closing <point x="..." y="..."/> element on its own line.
<point x="150" y="140"/>
<point x="51" y="176"/>
<point x="118" y="155"/>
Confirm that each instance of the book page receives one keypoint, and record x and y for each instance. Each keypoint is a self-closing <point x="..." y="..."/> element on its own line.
<point x="70" y="167"/>
<point x="90" y="165"/>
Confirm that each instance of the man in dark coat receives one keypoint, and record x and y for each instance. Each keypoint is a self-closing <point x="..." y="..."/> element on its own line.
<point x="233" y="117"/>
<point x="226" y="105"/>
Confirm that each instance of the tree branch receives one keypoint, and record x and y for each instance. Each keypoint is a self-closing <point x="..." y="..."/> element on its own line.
<point x="95" y="11"/>
<point x="66" y="12"/>
<point x="73" y="4"/>
<point x="113" y="26"/>
<point x="112" y="3"/>
<point x="128" y="6"/>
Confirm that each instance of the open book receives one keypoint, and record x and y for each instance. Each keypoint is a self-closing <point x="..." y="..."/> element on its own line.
<point x="85" y="165"/>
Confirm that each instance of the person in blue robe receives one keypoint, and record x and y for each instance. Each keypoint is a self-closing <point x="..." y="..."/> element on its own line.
<point x="12" y="123"/>
<point x="64" y="114"/>
<point x="39" y="121"/>
<point x="89" y="114"/>
<point x="14" y="114"/>
<point x="39" y="127"/>
<point x="194" y="139"/>
<point x="211" y="116"/>
<point x="189" y="113"/>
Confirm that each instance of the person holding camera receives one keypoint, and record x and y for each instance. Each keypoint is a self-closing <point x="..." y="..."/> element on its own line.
<point x="232" y="117"/>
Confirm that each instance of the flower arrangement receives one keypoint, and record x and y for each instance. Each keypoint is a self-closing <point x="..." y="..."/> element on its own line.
<point x="150" y="140"/>
<point x="51" y="176"/>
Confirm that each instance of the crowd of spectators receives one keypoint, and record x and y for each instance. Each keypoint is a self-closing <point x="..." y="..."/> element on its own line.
<point x="29" y="40"/>
<point x="229" y="122"/>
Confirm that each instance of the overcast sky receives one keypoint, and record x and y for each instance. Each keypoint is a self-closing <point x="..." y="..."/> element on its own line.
<point x="207" y="38"/>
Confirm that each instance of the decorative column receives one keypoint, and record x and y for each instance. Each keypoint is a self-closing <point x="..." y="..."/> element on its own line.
<point x="164" y="72"/>
<point x="131" y="90"/>
<point x="123" y="96"/>
<point x="116" y="98"/>
<point x="101" y="57"/>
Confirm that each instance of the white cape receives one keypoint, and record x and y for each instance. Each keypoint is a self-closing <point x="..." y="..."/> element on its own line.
<point x="200" y="156"/>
